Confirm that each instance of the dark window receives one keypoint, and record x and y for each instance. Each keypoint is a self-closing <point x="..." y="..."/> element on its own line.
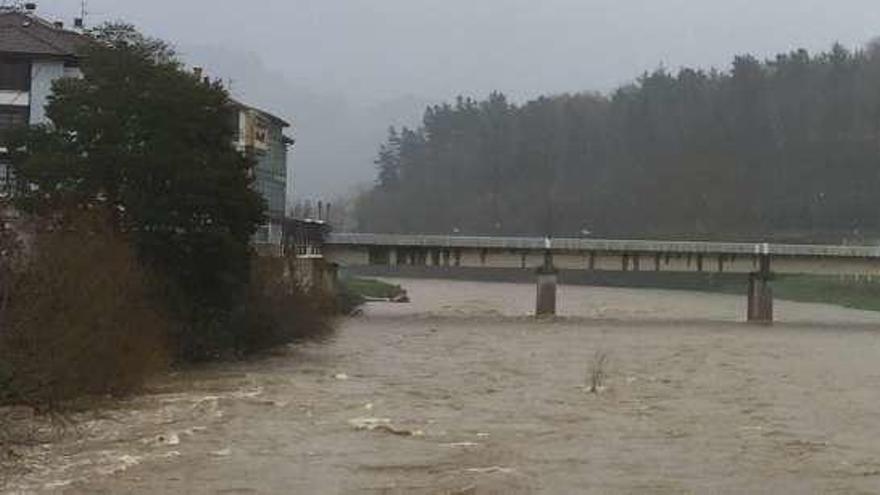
<point x="12" y="116"/>
<point x="15" y="75"/>
<point x="5" y="177"/>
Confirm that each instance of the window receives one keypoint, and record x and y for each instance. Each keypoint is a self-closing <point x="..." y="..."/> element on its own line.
<point x="15" y="75"/>
<point x="11" y="116"/>
<point x="5" y="178"/>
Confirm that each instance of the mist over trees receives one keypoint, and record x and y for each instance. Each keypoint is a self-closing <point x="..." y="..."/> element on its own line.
<point x="785" y="149"/>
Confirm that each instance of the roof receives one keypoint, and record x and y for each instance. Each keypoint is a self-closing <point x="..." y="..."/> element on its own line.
<point x="244" y="106"/>
<point x="27" y="34"/>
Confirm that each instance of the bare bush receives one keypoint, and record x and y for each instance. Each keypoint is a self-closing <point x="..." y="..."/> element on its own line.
<point x="598" y="372"/>
<point x="278" y="311"/>
<point x="78" y="319"/>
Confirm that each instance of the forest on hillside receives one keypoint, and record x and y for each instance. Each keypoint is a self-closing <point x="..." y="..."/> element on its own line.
<point x="783" y="149"/>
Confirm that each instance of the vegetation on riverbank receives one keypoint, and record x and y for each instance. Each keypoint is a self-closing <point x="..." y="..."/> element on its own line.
<point x="132" y="250"/>
<point x="849" y="292"/>
<point x="77" y="319"/>
<point x="371" y="288"/>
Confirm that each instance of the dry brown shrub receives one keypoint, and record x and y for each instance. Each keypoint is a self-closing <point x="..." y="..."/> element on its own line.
<point x="78" y="318"/>
<point x="279" y="311"/>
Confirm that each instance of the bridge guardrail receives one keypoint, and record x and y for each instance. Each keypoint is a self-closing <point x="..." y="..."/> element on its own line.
<point x="600" y="245"/>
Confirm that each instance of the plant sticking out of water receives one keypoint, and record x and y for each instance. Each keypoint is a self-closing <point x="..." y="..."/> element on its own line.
<point x="597" y="373"/>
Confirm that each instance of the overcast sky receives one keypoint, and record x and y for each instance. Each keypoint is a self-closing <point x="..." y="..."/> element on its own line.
<point x="371" y="51"/>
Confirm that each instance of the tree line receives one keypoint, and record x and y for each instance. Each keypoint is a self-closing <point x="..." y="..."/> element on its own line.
<point x="780" y="149"/>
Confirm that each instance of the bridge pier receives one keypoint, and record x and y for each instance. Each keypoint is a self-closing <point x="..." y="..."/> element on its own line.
<point x="760" y="295"/>
<point x="548" y="279"/>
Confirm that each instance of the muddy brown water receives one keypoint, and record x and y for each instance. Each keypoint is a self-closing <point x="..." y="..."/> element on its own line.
<point x="471" y="396"/>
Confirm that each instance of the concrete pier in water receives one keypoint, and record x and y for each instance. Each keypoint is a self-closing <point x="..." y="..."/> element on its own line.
<point x="760" y="295"/>
<point x="546" y="297"/>
<point x="760" y="300"/>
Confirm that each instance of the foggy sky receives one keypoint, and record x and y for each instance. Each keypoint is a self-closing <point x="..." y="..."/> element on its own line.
<point x="371" y="57"/>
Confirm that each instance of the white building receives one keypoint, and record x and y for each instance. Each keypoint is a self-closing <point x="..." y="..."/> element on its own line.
<point x="33" y="54"/>
<point x="261" y="137"/>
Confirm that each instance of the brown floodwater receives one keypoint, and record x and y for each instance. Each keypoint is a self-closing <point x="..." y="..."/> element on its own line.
<point x="461" y="392"/>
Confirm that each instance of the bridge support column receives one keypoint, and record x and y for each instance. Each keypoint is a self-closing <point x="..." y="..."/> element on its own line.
<point x="761" y="295"/>
<point x="548" y="279"/>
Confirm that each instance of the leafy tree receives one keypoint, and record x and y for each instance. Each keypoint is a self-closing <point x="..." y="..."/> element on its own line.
<point x="143" y="138"/>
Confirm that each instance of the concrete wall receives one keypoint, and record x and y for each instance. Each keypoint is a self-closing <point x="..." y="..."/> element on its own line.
<point x="315" y="275"/>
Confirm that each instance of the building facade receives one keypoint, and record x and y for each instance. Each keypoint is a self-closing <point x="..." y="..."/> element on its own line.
<point x="34" y="53"/>
<point x="261" y="137"/>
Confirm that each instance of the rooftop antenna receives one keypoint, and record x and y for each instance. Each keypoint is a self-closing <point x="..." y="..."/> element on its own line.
<point x="80" y="22"/>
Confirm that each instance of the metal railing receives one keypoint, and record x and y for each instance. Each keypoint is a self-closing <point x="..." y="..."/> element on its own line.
<point x="599" y="245"/>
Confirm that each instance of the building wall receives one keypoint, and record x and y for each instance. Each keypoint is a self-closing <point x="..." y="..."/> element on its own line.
<point x="271" y="172"/>
<point x="262" y="137"/>
<point x="43" y="74"/>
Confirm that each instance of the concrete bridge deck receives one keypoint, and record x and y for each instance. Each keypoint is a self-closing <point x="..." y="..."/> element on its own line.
<point x="759" y="261"/>
<point x="600" y="255"/>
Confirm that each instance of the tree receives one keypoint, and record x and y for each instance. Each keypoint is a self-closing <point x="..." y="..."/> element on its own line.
<point x="140" y="137"/>
<point x="388" y="161"/>
<point x="781" y="149"/>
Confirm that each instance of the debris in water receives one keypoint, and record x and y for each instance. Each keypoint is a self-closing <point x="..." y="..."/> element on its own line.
<point x="369" y="407"/>
<point x="368" y="423"/>
<point x="169" y="439"/>
<point x="402" y="298"/>
<point x="125" y="462"/>
<point x="271" y="403"/>
<point x="222" y="453"/>
<point x="383" y="424"/>
<point x="491" y="470"/>
<point x="341" y="377"/>
<point x="248" y="394"/>
<point x="57" y="484"/>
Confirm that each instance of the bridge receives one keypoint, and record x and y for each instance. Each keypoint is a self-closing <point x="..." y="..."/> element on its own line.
<point x="545" y="256"/>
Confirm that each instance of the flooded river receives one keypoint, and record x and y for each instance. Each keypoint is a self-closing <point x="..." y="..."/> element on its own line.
<point x="461" y="392"/>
